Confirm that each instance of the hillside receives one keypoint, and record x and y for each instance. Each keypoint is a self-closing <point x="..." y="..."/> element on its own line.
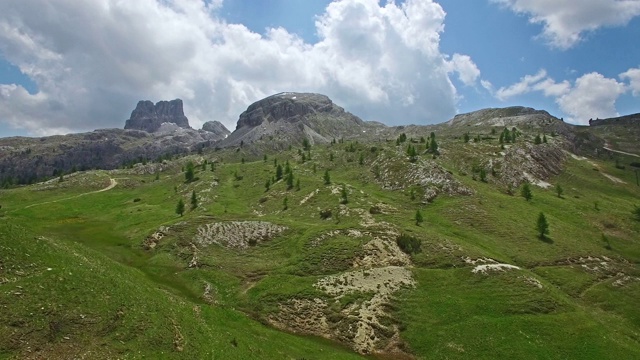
<point x="334" y="262"/>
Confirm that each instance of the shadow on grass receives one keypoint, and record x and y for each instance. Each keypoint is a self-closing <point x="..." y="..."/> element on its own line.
<point x="546" y="239"/>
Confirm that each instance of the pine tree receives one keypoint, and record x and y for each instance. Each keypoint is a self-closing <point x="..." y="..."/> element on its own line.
<point x="290" y="181"/>
<point x="559" y="190"/>
<point x="542" y="226"/>
<point x="285" y="203"/>
<point x="526" y="192"/>
<point x="279" y="172"/>
<point x="189" y="174"/>
<point x="267" y="185"/>
<point x="544" y="139"/>
<point x="343" y="195"/>
<point x="483" y="175"/>
<point x="361" y="160"/>
<point x="433" y="146"/>
<point x="327" y="178"/>
<point x="466" y="137"/>
<point x="180" y="207"/>
<point x="298" y="184"/>
<point x="330" y="156"/>
<point x="194" y="200"/>
<point x="538" y="140"/>
<point x="419" y="219"/>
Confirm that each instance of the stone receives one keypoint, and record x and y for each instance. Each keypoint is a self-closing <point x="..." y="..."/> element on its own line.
<point x="149" y="117"/>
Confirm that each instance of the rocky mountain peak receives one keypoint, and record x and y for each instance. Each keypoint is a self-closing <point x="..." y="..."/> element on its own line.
<point x="216" y="127"/>
<point x="290" y="107"/>
<point x="280" y="120"/>
<point x="149" y="117"/>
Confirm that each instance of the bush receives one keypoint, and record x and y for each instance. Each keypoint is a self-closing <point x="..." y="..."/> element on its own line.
<point x="409" y="244"/>
<point x="325" y="214"/>
<point x="375" y="210"/>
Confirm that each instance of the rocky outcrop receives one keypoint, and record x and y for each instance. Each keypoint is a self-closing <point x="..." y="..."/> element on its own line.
<point x="26" y="160"/>
<point x="287" y="118"/>
<point x="149" y="117"/>
<point x="292" y="107"/>
<point x="216" y="127"/>
<point x="628" y="120"/>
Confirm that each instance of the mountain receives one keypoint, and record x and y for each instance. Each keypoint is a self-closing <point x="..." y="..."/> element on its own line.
<point x="154" y="132"/>
<point x="287" y="118"/>
<point x="149" y="117"/>
<point x="216" y="127"/>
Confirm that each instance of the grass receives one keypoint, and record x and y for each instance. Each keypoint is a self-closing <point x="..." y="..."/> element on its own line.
<point x="113" y="298"/>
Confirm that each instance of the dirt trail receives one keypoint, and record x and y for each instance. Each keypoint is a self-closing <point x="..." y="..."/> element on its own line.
<point x="621" y="152"/>
<point x="112" y="184"/>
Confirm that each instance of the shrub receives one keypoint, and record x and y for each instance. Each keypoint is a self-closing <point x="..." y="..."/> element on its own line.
<point x="409" y="244"/>
<point x="325" y="214"/>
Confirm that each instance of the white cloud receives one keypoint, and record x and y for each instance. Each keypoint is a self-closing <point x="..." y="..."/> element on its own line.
<point x="467" y="70"/>
<point x="524" y="86"/>
<point x="633" y="75"/>
<point x="93" y="60"/>
<point x="592" y="96"/>
<point x="566" y="21"/>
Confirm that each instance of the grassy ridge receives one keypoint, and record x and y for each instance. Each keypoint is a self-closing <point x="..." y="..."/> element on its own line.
<point x="142" y="302"/>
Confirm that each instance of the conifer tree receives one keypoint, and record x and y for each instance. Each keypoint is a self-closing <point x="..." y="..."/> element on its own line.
<point x="542" y="226"/>
<point x="180" y="207"/>
<point x="327" y="178"/>
<point x="538" y="140"/>
<point x="194" y="200"/>
<point x="526" y="192"/>
<point x="189" y="174"/>
<point x="290" y="181"/>
<point x="343" y="195"/>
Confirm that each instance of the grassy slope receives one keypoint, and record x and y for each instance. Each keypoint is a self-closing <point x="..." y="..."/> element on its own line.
<point x="451" y="313"/>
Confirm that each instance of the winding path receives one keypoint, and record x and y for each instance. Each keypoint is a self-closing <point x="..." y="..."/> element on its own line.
<point x="621" y="152"/>
<point x="112" y="184"/>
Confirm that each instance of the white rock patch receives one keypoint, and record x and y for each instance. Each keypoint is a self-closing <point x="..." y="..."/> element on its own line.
<point x="484" y="269"/>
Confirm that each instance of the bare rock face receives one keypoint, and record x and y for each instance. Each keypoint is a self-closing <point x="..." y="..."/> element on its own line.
<point x="287" y="118"/>
<point x="290" y="107"/>
<point x="216" y="127"/>
<point x="149" y="117"/>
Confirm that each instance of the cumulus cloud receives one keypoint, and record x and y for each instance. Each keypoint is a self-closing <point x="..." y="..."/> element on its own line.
<point x="633" y="75"/>
<point x="592" y="96"/>
<point x="93" y="60"/>
<point x="538" y="82"/>
<point x="565" y="21"/>
<point x="467" y="70"/>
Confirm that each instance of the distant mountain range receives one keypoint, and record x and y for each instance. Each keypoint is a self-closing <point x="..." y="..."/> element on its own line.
<point x="157" y="131"/>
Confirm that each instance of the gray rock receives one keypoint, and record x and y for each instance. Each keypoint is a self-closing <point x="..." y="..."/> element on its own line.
<point x="149" y="117"/>
<point x="216" y="127"/>
<point x="287" y="118"/>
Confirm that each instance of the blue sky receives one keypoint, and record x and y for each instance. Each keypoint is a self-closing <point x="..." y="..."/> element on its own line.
<point x="66" y="67"/>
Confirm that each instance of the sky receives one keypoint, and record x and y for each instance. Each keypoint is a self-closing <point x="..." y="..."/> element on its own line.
<point x="68" y="66"/>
